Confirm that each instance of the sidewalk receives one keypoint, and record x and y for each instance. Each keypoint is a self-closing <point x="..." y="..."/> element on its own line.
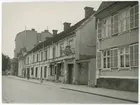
<point x="122" y="95"/>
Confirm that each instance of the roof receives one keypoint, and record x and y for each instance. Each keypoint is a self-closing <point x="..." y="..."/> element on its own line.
<point x="104" y="5"/>
<point x="58" y="37"/>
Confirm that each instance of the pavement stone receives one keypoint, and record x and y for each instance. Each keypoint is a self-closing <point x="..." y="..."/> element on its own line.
<point x="122" y="95"/>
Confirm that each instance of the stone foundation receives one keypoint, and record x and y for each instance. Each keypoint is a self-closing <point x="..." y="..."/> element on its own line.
<point x="118" y="84"/>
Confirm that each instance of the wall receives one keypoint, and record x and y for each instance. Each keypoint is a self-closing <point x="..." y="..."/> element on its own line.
<point x="86" y="39"/>
<point x="25" y="39"/>
<point x="123" y="39"/>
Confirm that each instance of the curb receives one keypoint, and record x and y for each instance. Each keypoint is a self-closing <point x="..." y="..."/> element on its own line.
<point x="100" y="95"/>
<point x="61" y="87"/>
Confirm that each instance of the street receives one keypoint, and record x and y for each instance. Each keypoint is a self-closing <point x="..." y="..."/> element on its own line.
<point x="17" y="91"/>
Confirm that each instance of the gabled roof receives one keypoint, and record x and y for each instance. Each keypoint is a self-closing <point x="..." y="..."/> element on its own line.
<point x="58" y="37"/>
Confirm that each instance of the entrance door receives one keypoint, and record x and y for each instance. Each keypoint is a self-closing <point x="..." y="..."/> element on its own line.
<point x="28" y="73"/>
<point x="41" y="73"/>
<point x="70" y="73"/>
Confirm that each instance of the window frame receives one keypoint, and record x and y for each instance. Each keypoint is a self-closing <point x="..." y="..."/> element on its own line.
<point x="124" y="54"/>
<point x="113" y="58"/>
<point x="61" y="49"/>
<point x="107" y="56"/>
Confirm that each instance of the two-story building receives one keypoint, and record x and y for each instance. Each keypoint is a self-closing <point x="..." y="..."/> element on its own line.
<point x="62" y="57"/>
<point x="117" y="45"/>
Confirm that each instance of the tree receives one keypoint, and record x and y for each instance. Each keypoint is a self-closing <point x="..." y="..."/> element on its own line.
<point x="5" y="62"/>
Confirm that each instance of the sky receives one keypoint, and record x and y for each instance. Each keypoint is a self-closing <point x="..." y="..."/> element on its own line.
<point x="40" y="16"/>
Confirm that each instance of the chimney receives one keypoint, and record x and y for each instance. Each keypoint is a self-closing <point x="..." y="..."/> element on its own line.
<point x="66" y="26"/>
<point x="45" y="30"/>
<point x="33" y="29"/>
<point x="88" y="11"/>
<point x="54" y="32"/>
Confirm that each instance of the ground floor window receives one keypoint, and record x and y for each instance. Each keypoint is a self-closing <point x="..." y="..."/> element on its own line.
<point x="114" y="58"/>
<point x="120" y="57"/>
<point x="124" y="56"/>
<point x="106" y="59"/>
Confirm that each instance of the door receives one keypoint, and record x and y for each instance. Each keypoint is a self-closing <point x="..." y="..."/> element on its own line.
<point x="70" y="73"/>
<point x="28" y="73"/>
<point x="41" y="73"/>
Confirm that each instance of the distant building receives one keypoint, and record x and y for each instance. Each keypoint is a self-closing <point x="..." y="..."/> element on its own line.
<point x="117" y="45"/>
<point x="27" y="39"/>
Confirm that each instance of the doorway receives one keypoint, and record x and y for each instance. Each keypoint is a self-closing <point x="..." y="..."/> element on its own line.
<point x="70" y="73"/>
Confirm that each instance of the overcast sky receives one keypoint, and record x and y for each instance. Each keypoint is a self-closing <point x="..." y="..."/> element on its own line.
<point x="38" y="15"/>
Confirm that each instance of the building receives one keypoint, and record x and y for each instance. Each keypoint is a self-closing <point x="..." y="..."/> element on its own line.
<point x="117" y="45"/>
<point x="60" y="58"/>
<point x="27" y="39"/>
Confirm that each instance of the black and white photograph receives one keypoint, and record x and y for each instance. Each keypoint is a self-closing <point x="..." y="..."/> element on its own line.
<point x="69" y="52"/>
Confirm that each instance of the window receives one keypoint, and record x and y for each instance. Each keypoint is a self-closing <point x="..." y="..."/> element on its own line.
<point x="134" y="16"/>
<point x="124" y="20"/>
<point x="45" y="71"/>
<point x="71" y="43"/>
<point x="41" y="73"/>
<point x="106" y="59"/>
<point x="106" y="27"/>
<point x="41" y="56"/>
<point x="99" y="30"/>
<point x="114" y="58"/>
<point x="33" y="58"/>
<point x="28" y="60"/>
<point x="134" y="55"/>
<point x="114" y="24"/>
<point x="54" y="52"/>
<point x="37" y="57"/>
<point x="124" y="57"/>
<point x="36" y="72"/>
<point x="32" y="71"/>
<point x="46" y="55"/>
<point x="61" y="49"/>
<point x="99" y="60"/>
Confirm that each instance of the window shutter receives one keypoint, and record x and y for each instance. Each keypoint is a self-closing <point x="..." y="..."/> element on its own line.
<point x="136" y="55"/>
<point x="112" y="63"/>
<point x="116" y="58"/>
<point x="131" y="56"/>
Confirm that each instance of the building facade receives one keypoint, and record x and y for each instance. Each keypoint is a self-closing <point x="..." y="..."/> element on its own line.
<point x="117" y="45"/>
<point x="62" y="57"/>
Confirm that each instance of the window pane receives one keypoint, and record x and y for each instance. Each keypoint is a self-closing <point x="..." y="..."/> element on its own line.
<point x="122" y="60"/>
<point x="108" y="62"/>
<point x="136" y="54"/>
<point x="104" y="62"/>
<point x="104" y="53"/>
<point x="115" y="58"/>
<point x="108" y="53"/>
<point x="127" y="60"/>
<point x="131" y="55"/>
<point x="112" y="62"/>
